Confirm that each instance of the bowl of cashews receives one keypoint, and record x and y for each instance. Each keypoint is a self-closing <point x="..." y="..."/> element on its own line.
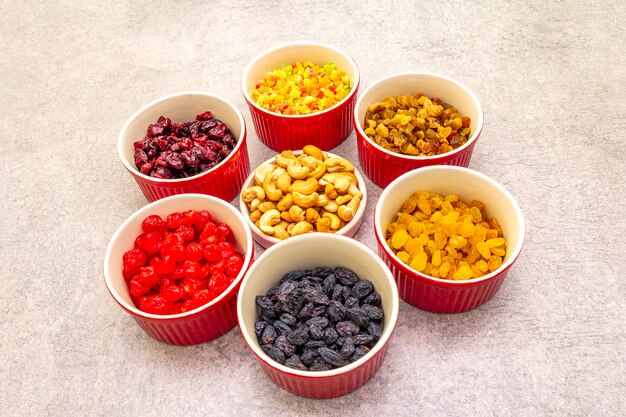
<point x="304" y="191"/>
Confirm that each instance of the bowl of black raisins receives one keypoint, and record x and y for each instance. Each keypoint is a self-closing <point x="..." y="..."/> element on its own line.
<point x="318" y="311"/>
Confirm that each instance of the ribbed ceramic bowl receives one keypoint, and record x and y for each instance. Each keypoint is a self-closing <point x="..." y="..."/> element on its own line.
<point x="266" y="241"/>
<point x="383" y="166"/>
<point x="222" y="181"/>
<point x="325" y="129"/>
<point x="196" y="326"/>
<point x="304" y="252"/>
<point x="441" y="295"/>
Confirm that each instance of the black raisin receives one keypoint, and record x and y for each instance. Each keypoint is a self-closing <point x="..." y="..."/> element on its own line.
<point x="271" y="294"/>
<point x="294" y="275"/>
<point x="258" y="328"/>
<point x="362" y="339"/>
<point x="346" y="328"/>
<point x="362" y="288"/>
<point x="348" y="348"/>
<point x="375" y="329"/>
<point x="308" y="356"/>
<point x="299" y="336"/>
<point x="320" y="365"/>
<point x="295" y="363"/>
<point x="322" y="271"/>
<point x="318" y="311"/>
<point x="283" y="344"/>
<point x="346" y="276"/>
<point x="289" y="305"/>
<point x="312" y="344"/>
<point x="346" y="293"/>
<point x="330" y="336"/>
<point x="269" y="335"/>
<point x="337" y="291"/>
<point x="359" y="317"/>
<point x="372" y="299"/>
<point x="351" y="302"/>
<point x="331" y="357"/>
<point x="359" y="353"/>
<point x="336" y="311"/>
<point x="318" y="321"/>
<point x="281" y="328"/>
<point x="288" y="319"/>
<point x="316" y="332"/>
<point x="305" y="312"/>
<point x="266" y="306"/>
<point x="286" y="290"/>
<point x="373" y="312"/>
<point x="274" y="353"/>
<point x="329" y="284"/>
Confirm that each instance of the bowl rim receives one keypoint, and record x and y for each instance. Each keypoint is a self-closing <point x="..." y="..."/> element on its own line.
<point x="251" y="102"/>
<point x="133" y="169"/>
<point x="257" y="232"/>
<point x="143" y="211"/>
<point x="415" y="274"/>
<point x="387" y="330"/>
<point x="475" y="134"/>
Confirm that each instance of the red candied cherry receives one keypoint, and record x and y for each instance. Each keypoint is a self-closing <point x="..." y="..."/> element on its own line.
<point x="165" y="282"/>
<point x="233" y="265"/>
<point x="226" y="249"/>
<point x="209" y="234"/>
<point x="186" y="232"/>
<point x="178" y="273"/>
<point x="188" y="305"/>
<point x="173" y="293"/>
<point x="223" y="231"/>
<point x="189" y="217"/>
<point x="150" y="242"/>
<point x="212" y="252"/>
<point x="174" y="220"/>
<point x="194" y="251"/>
<point x="137" y="288"/>
<point x="177" y="252"/>
<point x="192" y="269"/>
<point x="191" y="285"/>
<point x="202" y="297"/>
<point x="218" y="283"/>
<point x="216" y="267"/>
<point x="155" y="304"/>
<point x="134" y="258"/>
<point x="147" y="276"/>
<point x="153" y="223"/>
<point x="177" y="307"/>
<point x="172" y="239"/>
<point x="201" y="218"/>
<point x="128" y="272"/>
<point x="164" y="265"/>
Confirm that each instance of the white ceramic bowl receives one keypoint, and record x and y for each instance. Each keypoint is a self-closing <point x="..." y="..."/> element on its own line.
<point x="203" y="323"/>
<point x="304" y="252"/>
<point x="266" y="241"/>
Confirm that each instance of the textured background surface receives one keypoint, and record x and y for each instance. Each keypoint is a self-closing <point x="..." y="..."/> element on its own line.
<point x="551" y="77"/>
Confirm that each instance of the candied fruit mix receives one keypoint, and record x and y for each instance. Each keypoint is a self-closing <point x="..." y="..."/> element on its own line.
<point x="319" y="319"/>
<point x="180" y="263"/>
<point x="445" y="237"/>
<point x="179" y="150"/>
<point x="301" y="88"/>
<point x="416" y="125"/>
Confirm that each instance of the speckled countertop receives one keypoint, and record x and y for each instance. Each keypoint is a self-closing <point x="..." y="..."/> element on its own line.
<point x="551" y="76"/>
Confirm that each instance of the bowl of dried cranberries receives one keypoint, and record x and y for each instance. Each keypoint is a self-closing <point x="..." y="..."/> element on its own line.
<point x="318" y="311"/>
<point x="190" y="142"/>
<point x="176" y="265"/>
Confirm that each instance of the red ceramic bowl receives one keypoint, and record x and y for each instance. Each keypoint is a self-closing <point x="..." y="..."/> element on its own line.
<point x="222" y="181"/>
<point x="309" y="251"/>
<point x="325" y="129"/>
<point x="441" y="295"/>
<point x="383" y="166"/>
<point x="266" y="241"/>
<point x="204" y="323"/>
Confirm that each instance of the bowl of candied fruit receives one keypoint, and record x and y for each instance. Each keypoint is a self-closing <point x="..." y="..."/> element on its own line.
<point x="300" y="94"/>
<point x="318" y="312"/>
<point x="412" y="120"/>
<point x="176" y="265"/>
<point x="450" y="236"/>
<point x="190" y="142"/>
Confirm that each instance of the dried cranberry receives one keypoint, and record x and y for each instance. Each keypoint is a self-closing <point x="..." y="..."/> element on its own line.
<point x="204" y="116"/>
<point x="218" y="131"/>
<point x="190" y="158"/>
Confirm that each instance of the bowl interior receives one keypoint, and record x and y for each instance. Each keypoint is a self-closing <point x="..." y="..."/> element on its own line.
<point x="266" y="241"/>
<point x="468" y="185"/>
<point x="288" y="54"/>
<point x="182" y="107"/>
<point x="310" y="251"/>
<point x="432" y="85"/>
<point x="124" y="238"/>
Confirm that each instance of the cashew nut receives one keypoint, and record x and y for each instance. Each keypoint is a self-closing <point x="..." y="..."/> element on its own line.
<point x="330" y="191"/>
<point x="314" y="151"/>
<point x="297" y="171"/>
<point x="259" y="173"/>
<point x="296" y="214"/>
<point x="268" y="220"/>
<point x="280" y="232"/>
<point x="290" y="227"/>
<point x="255" y="215"/>
<point x="285" y="216"/>
<point x="269" y="185"/>
<point x="322" y="200"/>
<point x="304" y="187"/>
<point x="338" y="164"/>
<point x="342" y="183"/>
<point x="335" y="222"/>
<point x="283" y="181"/>
<point x="283" y="224"/>
<point x="305" y="200"/>
<point x="309" y="161"/>
<point x="285" y="203"/>
<point x="253" y="192"/>
<point x="284" y="158"/>
<point x="331" y="206"/>
<point x="301" y="228"/>
<point x="311" y="215"/>
<point x="318" y="171"/>
<point x="254" y="204"/>
<point x="266" y="206"/>
<point x="323" y="225"/>
<point x="347" y="211"/>
<point x="343" y="199"/>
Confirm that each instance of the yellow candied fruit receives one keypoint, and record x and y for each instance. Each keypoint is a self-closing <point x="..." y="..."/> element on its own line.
<point x="302" y="88"/>
<point x="445" y="237"/>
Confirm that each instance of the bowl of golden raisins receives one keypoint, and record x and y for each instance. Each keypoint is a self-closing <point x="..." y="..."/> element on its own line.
<point x="412" y="120"/>
<point x="449" y="235"/>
